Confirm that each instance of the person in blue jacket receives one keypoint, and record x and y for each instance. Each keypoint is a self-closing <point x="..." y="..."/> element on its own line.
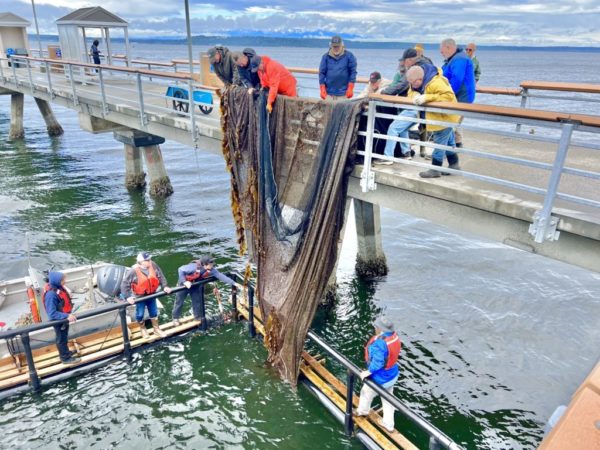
<point x="54" y="308"/>
<point x="189" y="274"/>
<point x="381" y="356"/>
<point x="458" y="69"/>
<point x="337" y="71"/>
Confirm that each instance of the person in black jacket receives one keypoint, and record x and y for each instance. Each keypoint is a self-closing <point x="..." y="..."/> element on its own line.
<point x="247" y="78"/>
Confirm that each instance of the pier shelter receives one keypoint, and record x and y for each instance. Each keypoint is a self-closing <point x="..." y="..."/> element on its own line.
<point x="13" y="34"/>
<point x="72" y="33"/>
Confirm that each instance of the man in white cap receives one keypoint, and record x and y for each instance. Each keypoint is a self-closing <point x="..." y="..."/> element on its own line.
<point x="381" y="356"/>
<point x="144" y="278"/>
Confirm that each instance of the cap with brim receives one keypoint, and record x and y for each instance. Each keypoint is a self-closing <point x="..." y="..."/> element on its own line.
<point x="409" y="53"/>
<point x="336" y="41"/>
<point x="143" y="256"/>
<point x="384" y="324"/>
<point x="254" y="63"/>
<point x="212" y="52"/>
<point x="206" y="259"/>
<point x="375" y="76"/>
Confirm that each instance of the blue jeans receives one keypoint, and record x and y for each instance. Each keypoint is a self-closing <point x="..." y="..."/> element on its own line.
<point x="62" y="341"/>
<point x="399" y="128"/>
<point x="141" y="306"/>
<point x="444" y="136"/>
<point x="197" y="295"/>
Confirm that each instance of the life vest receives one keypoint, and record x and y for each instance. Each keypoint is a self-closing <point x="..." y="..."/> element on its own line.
<point x="65" y="304"/>
<point x="145" y="285"/>
<point x="33" y="306"/>
<point x="197" y="275"/>
<point x="393" y="344"/>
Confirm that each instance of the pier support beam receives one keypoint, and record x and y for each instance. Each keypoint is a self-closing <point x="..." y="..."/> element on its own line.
<point x="137" y="142"/>
<point x="16" y="117"/>
<point x="135" y="177"/>
<point x="329" y="296"/>
<point x="52" y="125"/>
<point x="370" y="260"/>
<point x="160" y="184"/>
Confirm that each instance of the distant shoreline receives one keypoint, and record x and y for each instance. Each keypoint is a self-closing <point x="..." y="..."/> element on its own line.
<point x="268" y="41"/>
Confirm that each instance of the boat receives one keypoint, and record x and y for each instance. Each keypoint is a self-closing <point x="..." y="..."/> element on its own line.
<point x="91" y="286"/>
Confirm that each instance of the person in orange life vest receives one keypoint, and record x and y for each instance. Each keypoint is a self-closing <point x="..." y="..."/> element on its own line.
<point x="57" y="302"/>
<point x="273" y="76"/>
<point x="144" y="278"/>
<point x="190" y="273"/>
<point x="381" y="355"/>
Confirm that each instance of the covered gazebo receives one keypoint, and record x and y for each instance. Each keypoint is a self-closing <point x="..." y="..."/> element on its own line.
<point x="72" y="33"/>
<point x="13" y="34"/>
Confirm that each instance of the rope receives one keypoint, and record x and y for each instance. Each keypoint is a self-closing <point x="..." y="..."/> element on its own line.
<point x="109" y="330"/>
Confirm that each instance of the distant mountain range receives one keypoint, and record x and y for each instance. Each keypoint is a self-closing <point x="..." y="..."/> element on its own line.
<point x="305" y="41"/>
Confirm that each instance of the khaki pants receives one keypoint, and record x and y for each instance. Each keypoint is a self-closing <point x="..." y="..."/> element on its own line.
<point x="335" y="98"/>
<point x="458" y="133"/>
<point x="364" y="405"/>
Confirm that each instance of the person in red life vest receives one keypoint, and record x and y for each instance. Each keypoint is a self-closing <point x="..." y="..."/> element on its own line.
<point x="381" y="355"/>
<point x="195" y="271"/>
<point x="273" y="76"/>
<point x="144" y="278"/>
<point x="57" y="302"/>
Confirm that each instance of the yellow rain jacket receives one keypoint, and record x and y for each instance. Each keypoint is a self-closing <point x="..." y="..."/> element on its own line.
<point x="437" y="89"/>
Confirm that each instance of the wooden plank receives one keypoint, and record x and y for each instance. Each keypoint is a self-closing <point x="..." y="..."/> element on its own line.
<point x="362" y="422"/>
<point x="396" y="436"/>
<point x="588" y="88"/>
<point x="498" y="91"/>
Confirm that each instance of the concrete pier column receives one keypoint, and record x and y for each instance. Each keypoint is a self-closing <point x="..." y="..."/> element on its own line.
<point x="135" y="177"/>
<point x="370" y="260"/>
<point x="16" y="116"/>
<point x="329" y="296"/>
<point x="137" y="142"/>
<point x="160" y="184"/>
<point x="52" y="125"/>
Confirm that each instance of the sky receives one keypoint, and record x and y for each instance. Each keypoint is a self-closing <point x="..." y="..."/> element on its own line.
<point x="491" y="22"/>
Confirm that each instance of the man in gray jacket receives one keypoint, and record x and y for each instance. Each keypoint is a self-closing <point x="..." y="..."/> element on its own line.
<point x="222" y="61"/>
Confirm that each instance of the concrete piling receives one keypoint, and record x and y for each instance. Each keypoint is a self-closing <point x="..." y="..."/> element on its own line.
<point x="160" y="184"/>
<point x="16" y="117"/>
<point x="135" y="178"/>
<point x="370" y="260"/>
<point x="52" y="125"/>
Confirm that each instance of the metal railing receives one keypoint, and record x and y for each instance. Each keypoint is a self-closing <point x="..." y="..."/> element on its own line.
<point x="111" y="88"/>
<point x="24" y="332"/>
<point x="544" y="224"/>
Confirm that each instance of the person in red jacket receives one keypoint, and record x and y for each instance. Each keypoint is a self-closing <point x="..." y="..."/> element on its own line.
<point x="275" y="77"/>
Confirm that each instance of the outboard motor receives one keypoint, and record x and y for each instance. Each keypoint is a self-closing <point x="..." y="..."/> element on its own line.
<point x="109" y="279"/>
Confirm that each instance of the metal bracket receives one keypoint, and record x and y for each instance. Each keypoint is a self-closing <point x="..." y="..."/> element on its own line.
<point x="543" y="231"/>
<point x="367" y="180"/>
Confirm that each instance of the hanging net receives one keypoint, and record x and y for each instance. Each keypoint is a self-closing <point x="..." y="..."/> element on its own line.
<point x="289" y="175"/>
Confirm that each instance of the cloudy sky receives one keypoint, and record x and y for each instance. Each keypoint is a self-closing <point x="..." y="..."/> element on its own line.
<point x="510" y="22"/>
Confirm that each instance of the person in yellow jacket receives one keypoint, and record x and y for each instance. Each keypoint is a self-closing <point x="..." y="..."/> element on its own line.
<point x="427" y="84"/>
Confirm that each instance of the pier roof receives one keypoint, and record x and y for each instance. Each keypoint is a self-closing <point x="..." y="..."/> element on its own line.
<point x="90" y="17"/>
<point x="8" y="19"/>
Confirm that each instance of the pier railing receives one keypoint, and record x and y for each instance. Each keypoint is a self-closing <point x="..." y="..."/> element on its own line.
<point x="557" y="128"/>
<point x="147" y="92"/>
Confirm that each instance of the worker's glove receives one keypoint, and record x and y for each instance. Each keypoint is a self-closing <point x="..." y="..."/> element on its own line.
<point x="350" y="90"/>
<point x="269" y="108"/>
<point x="420" y="99"/>
<point x="323" y="92"/>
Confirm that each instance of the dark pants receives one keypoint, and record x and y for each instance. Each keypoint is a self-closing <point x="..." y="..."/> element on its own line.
<point x="62" y="339"/>
<point x="197" y="295"/>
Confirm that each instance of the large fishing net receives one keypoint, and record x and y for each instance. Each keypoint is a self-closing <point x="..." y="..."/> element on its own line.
<point x="289" y="174"/>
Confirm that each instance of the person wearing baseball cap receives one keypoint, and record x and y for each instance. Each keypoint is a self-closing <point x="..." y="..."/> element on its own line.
<point x="275" y="77"/>
<point x="381" y="356"/>
<point x="375" y="86"/>
<point x="188" y="276"/>
<point x="145" y="278"/>
<point x="222" y="61"/>
<point x="337" y="71"/>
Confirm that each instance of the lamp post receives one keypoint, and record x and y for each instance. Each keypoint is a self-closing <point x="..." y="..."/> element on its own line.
<point x="37" y="29"/>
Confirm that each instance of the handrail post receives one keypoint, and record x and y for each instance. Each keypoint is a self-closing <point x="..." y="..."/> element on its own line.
<point x="125" y="332"/>
<point x="367" y="177"/>
<point x="75" y="102"/>
<point x="14" y="70"/>
<point x="33" y="376"/>
<point x="524" y="96"/>
<point x="48" y="75"/>
<point x="102" y="92"/>
<point x="251" y="328"/>
<point x="29" y="75"/>
<point x="143" y="120"/>
<point x="192" y="112"/>
<point x="434" y="444"/>
<point x="348" y="420"/>
<point x="544" y="225"/>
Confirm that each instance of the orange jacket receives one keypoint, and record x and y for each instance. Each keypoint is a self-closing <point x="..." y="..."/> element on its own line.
<point x="277" y="78"/>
